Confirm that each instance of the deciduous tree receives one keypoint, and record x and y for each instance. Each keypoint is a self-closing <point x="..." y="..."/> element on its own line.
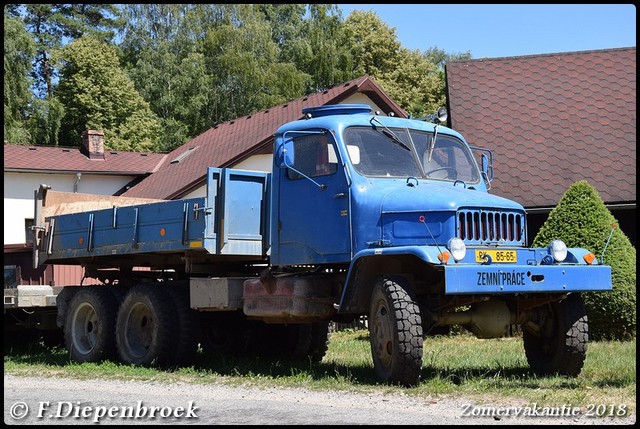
<point x="97" y="94"/>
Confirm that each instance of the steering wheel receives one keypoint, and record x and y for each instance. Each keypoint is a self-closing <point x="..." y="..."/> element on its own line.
<point x="449" y="169"/>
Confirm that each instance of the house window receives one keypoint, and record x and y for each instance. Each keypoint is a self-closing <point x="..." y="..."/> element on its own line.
<point x="28" y="231"/>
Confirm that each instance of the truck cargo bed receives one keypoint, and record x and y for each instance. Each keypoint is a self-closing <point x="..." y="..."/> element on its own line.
<point x="231" y="220"/>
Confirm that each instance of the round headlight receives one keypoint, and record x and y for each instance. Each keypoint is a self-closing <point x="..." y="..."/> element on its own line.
<point x="558" y="250"/>
<point x="457" y="248"/>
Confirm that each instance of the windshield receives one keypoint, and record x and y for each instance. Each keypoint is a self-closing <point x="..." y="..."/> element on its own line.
<point x="381" y="156"/>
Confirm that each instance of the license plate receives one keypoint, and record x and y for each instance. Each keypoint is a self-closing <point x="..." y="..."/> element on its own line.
<point x="502" y="256"/>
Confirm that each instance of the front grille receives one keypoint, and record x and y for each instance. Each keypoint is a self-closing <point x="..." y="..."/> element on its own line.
<point x="485" y="227"/>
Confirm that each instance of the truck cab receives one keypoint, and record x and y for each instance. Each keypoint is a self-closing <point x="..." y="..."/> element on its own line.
<point x="401" y="207"/>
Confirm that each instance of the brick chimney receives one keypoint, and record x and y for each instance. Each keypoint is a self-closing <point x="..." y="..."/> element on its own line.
<point x="93" y="144"/>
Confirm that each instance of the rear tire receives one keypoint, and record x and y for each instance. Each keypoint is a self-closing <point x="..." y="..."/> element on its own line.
<point x="145" y="326"/>
<point x="223" y="333"/>
<point x="186" y="333"/>
<point x="90" y="325"/>
<point x="319" y="343"/>
<point x="307" y="341"/>
<point x="561" y="345"/>
<point x="395" y="328"/>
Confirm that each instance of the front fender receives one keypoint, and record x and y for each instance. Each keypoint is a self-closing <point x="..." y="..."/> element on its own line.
<point x="368" y="264"/>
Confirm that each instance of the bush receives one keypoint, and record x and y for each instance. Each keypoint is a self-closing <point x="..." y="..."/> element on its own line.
<point x="582" y="220"/>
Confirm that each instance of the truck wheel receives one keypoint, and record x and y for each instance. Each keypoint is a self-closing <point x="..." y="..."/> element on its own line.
<point x="319" y="342"/>
<point x="223" y="333"/>
<point x="90" y="324"/>
<point x="560" y="347"/>
<point x="145" y="326"/>
<point x="186" y="336"/>
<point x="395" y="328"/>
<point x="308" y="341"/>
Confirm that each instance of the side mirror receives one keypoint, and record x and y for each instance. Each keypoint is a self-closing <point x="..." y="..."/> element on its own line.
<point x="486" y="160"/>
<point x="285" y="155"/>
<point x="487" y="169"/>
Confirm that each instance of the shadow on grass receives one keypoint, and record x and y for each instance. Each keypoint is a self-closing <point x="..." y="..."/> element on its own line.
<point x="256" y="366"/>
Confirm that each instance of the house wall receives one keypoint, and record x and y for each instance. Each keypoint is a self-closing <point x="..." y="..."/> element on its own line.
<point x="19" y="191"/>
<point x="18" y="207"/>
<point x="19" y="265"/>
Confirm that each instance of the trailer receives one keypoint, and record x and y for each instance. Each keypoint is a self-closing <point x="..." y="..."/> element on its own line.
<point x="363" y="214"/>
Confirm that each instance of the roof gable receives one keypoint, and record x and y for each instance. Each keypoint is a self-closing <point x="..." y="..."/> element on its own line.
<point x="551" y="120"/>
<point x="230" y="142"/>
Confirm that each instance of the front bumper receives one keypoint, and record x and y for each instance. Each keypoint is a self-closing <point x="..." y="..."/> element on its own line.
<point x="481" y="279"/>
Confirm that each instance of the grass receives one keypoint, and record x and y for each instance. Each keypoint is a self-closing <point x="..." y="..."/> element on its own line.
<point x="487" y="371"/>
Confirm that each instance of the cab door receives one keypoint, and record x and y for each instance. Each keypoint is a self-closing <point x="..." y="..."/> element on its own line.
<point x="312" y="225"/>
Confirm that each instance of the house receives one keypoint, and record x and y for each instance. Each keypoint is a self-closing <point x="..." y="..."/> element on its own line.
<point x="247" y="142"/>
<point x="90" y="169"/>
<point x="552" y="120"/>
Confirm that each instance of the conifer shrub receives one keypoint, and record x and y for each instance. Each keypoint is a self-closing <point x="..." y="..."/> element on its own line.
<point x="582" y="220"/>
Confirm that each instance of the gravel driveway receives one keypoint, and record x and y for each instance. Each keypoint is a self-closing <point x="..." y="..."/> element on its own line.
<point x="46" y="401"/>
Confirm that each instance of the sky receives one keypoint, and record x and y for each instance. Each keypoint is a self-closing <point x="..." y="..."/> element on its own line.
<point x="495" y="30"/>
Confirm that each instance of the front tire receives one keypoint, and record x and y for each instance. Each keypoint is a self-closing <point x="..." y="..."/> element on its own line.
<point x="395" y="328"/>
<point x="560" y="345"/>
<point x="90" y="325"/>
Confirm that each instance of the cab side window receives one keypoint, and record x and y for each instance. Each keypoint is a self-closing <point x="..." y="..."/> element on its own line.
<point x="315" y="156"/>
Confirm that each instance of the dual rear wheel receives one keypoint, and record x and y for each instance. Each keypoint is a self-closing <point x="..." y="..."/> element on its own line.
<point x="153" y="325"/>
<point x="149" y="325"/>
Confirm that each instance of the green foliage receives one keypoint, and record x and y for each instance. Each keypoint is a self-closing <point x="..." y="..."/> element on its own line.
<point x="195" y="65"/>
<point x="178" y="90"/>
<point x="46" y="121"/>
<point x="415" y="83"/>
<point x="50" y="24"/>
<point x="582" y="220"/>
<point x="243" y="63"/>
<point x="19" y="49"/>
<point x="374" y="45"/>
<point x="162" y="54"/>
<point x="98" y="95"/>
<point x="412" y="78"/>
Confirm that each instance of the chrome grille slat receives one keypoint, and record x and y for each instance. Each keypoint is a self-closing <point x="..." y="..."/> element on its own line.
<point x="487" y="227"/>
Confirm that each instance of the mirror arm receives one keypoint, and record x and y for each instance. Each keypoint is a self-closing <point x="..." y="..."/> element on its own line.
<point x="319" y="185"/>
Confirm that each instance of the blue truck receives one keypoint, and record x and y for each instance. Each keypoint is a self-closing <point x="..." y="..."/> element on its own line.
<point x="364" y="216"/>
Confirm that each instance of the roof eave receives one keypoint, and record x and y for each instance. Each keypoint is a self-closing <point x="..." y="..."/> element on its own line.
<point x="101" y="173"/>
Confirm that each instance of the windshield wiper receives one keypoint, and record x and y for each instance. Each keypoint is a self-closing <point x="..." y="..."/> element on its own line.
<point x="433" y="142"/>
<point x="387" y="132"/>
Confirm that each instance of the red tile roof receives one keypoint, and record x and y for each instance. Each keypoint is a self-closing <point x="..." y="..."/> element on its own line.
<point x="230" y="142"/>
<point x="71" y="159"/>
<point x="550" y="121"/>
